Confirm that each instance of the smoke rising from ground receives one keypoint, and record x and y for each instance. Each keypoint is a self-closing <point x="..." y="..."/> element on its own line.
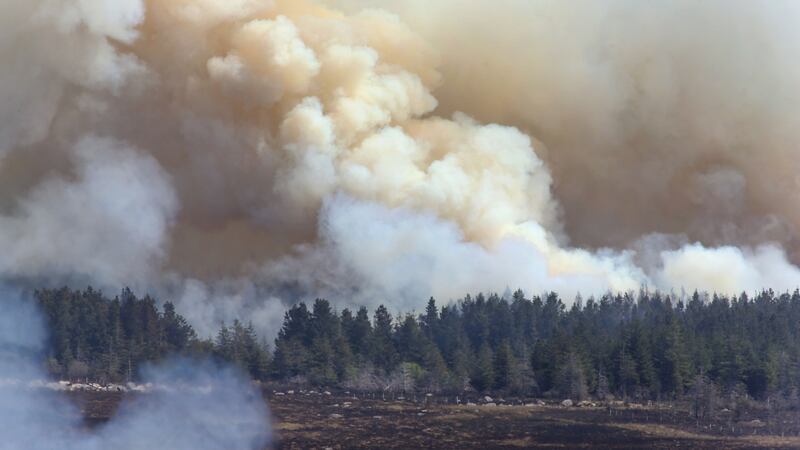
<point x="196" y="406"/>
<point x="235" y="155"/>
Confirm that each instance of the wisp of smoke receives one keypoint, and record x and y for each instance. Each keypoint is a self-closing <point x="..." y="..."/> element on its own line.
<point x="236" y="155"/>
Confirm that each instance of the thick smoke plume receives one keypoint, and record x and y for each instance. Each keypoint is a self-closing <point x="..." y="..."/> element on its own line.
<point x="235" y="155"/>
<point x="676" y="117"/>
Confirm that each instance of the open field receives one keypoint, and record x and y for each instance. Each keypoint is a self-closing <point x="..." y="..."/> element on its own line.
<point x="316" y="420"/>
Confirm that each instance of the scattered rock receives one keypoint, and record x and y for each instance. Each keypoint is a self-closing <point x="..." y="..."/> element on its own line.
<point x="755" y="423"/>
<point x="567" y="403"/>
<point x="327" y="393"/>
<point x="336" y="416"/>
<point x="290" y="392"/>
<point x="491" y="404"/>
<point x="488" y="399"/>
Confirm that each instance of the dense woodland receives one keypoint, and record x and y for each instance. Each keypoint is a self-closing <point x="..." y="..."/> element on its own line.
<point x="637" y="346"/>
<point x="107" y="340"/>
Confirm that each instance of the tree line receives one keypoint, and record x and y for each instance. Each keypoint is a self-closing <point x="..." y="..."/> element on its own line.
<point x="93" y="337"/>
<point x="645" y="345"/>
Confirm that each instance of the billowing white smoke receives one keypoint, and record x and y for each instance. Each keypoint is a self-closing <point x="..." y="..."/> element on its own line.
<point x="404" y="255"/>
<point x="123" y="197"/>
<point x="197" y="406"/>
<point x="236" y="155"/>
<point x="730" y="269"/>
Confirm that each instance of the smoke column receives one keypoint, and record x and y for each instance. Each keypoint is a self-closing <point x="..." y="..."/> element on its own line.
<point x="237" y="155"/>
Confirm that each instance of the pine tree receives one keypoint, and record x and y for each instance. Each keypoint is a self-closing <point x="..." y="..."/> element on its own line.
<point x="177" y="332"/>
<point x="626" y="371"/>
<point x="223" y="344"/>
<point x="430" y="321"/>
<point x="322" y="368"/>
<point x="409" y="340"/>
<point x="359" y="335"/>
<point x="675" y="369"/>
<point x="572" y="379"/>
<point x="483" y="375"/>
<point x="504" y="367"/>
<point x="384" y="354"/>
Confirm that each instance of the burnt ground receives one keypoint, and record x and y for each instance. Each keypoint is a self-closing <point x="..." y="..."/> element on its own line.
<point x="315" y="420"/>
<point x="96" y="407"/>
